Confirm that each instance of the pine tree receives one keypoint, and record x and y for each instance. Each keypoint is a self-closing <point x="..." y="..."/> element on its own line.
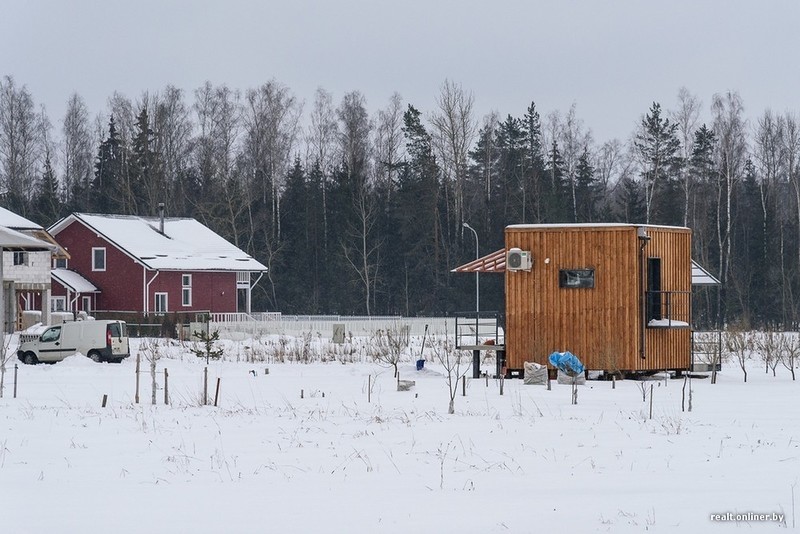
<point x="417" y="218"/>
<point x="587" y="189"/>
<point x="657" y="145"/>
<point x="108" y="187"/>
<point x="556" y="206"/>
<point x="47" y="202"/>
<point x="534" y="166"/>
<point x="146" y="185"/>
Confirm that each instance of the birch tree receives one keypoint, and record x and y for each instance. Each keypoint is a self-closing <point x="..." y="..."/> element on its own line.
<point x="686" y="117"/>
<point x="77" y="154"/>
<point x="729" y="128"/>
<point x="453" y="130"/>
<point x="20" y="144"/>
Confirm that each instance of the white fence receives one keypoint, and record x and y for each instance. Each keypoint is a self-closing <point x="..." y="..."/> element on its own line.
<point x="239" y="326"/>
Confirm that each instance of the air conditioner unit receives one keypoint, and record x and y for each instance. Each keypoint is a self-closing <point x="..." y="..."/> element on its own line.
<point x="518" y="260"/>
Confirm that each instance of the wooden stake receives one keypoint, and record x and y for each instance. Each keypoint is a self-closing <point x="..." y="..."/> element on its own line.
<point x="216" y="393"/>
<point x="487" y="379"/>
<point x="105" y="398"/>
<point x="138" y="364"/>
<point x="463" y="386"/>
<point x="166" y="386"/>
<point x="15" y="380"/>
<point x="613" y="381"/>
<point x="301" y="393"/>
<point x="651" y="401"/>
<point x="502" y="379"/>
<point x="205" y="386"/>
<point x="369" y="388"/>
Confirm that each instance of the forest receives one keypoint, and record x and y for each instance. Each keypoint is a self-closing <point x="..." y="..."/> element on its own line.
<point x="359" y="212"/>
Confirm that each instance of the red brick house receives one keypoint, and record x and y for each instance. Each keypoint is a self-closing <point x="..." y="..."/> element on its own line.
<point x="150" y="265"/>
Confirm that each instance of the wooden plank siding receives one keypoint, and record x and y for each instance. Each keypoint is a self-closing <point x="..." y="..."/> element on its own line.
<point x="601" y="325"/>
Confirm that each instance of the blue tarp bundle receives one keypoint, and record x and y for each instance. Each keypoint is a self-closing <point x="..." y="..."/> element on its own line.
<point x="567" y="362"/>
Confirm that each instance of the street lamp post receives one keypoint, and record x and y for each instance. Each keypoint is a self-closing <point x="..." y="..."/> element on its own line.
<point x="477" y="282"/>
<point x="476" y="354"/>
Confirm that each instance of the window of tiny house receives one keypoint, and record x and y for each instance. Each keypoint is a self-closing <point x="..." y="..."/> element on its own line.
<point x="20" y="258"/>
<point x="576" y="278"/>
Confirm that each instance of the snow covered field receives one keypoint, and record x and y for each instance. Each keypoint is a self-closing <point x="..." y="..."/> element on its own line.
<point x="342" y="460"/>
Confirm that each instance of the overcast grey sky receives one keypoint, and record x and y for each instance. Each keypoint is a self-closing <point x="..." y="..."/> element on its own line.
<point x="612" y="59"/>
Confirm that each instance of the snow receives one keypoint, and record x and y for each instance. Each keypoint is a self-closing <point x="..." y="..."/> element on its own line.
<point x="73" y="281"/>
<point x="667" y="323"/>
<point x="9" y="219"/>
<point x="12" y="239"/>
<point x="185" y="245"/>
<point x="267" y="460"/>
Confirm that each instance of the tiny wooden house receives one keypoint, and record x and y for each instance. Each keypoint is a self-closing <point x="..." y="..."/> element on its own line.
<point x="618" y="296"/>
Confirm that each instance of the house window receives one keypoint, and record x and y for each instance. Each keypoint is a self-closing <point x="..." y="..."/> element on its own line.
<point x="186" y="290"/>
<point x="576" y="278"/>
<point x="58" y="304"/>
<point x="60" y="263"/>
<point x="161" y="303"/>
<point x="99" y="259"/>
<point x="20" y="258"/>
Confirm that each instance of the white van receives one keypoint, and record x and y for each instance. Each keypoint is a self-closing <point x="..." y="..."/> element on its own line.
<point x="99" y="340"/>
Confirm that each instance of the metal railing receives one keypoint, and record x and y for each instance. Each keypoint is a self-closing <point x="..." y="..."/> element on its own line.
<point x="706" y="351"/>
<point x="479" y="329"/>
<point x="668" y="309"/>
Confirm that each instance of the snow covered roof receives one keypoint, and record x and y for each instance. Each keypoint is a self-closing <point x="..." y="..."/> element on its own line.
<point x="73" y="281"/>
<point x="9" y="219"/>
<point x="701" y="277"/>
<point x="185" y="244"/>
<point x="11" y="239"/>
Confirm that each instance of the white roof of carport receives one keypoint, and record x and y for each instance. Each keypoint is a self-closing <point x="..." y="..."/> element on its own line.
<point x="701" y="277"/>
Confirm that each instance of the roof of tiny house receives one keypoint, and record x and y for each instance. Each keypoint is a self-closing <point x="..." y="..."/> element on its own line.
<point x="496" y="263"/>
<point x="590" y="225"/>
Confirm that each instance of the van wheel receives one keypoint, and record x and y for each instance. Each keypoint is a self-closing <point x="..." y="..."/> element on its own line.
<point x="95" y="356"/>
<point x="30" y="358"/>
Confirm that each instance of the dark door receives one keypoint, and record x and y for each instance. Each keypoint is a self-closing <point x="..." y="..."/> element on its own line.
<point x="654" y="289"/>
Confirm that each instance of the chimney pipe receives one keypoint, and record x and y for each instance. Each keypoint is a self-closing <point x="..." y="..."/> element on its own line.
<point x="161" y="214"/>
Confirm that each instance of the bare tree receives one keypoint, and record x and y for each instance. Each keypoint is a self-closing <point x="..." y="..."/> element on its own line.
<point x="20" y="143"/>
<point x="218" y="111"/>
<point x="360" y="247"/>
<point x="77" y="154"/>
<point x="456" y="364"/>
<point x="388" y="346"/>
<point x="320" y="144"/>
<point x="173" y="130"/>
<point x="791" y="350"/>
<point x="686" y="116"/>
<point x="5" y="357"/>
<point x="729" y="127"/>
<point x="388" y="144"/>
<point x="770" y="346"/>
<point x="739" y="344"/>
<point x="152" y="353"/>
<point x="271" y="117"/>
<point x="791" y="155"/>
<point x="454" y="128"/>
